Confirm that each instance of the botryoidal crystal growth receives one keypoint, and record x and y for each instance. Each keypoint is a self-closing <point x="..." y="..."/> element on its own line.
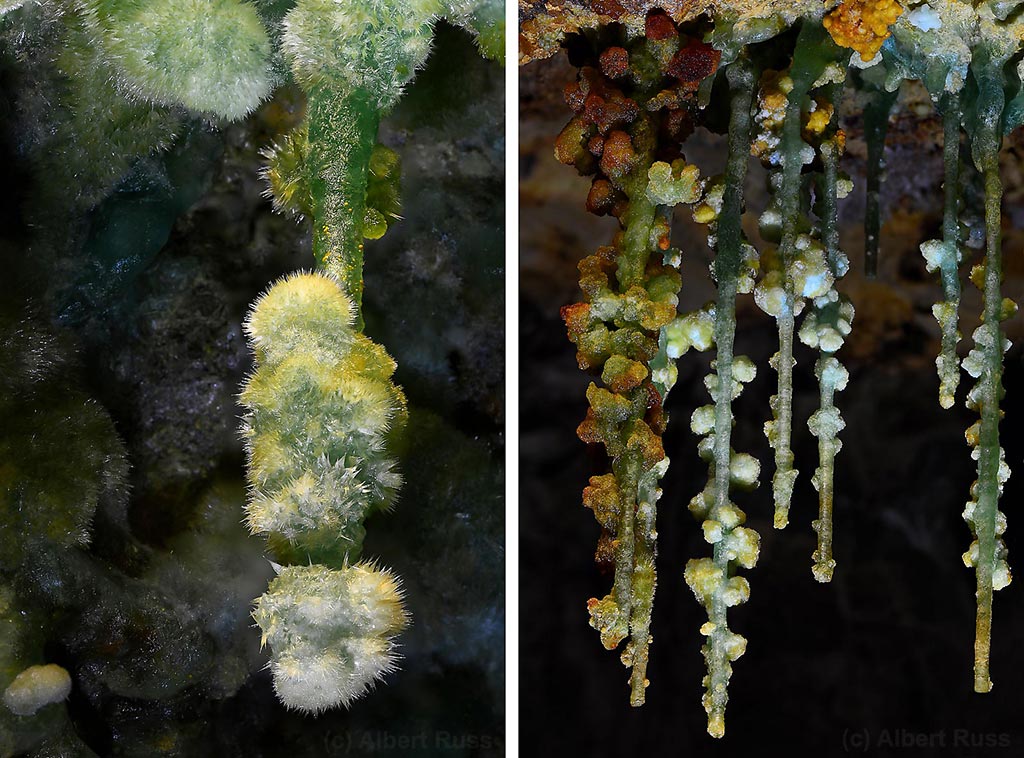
<point x="323" y="411"/>
<point x="647" y="77"/>
<point x="624" y="327"/>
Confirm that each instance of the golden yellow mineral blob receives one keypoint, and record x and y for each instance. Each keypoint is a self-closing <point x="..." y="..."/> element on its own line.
<point x="862" y="25"/>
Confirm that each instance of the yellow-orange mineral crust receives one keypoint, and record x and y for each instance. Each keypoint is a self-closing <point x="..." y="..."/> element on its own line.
<point x="862" y="25"/>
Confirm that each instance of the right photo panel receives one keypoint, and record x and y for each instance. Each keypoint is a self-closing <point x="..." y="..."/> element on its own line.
<point x="771" y="379"/>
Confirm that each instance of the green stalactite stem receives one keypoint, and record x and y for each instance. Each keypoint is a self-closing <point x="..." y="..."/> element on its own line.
<point x="951" y="190"/>
<point x="824" y="563"/>
<point x="342" y="133"/>
<point x="988" y="461"/>
<point x="808" y="63"/>
<point x="987" y="141"/>
<point x="876" y="126"/>
<point x="783" y="408"/>
<point x="626" y="469"/>
<point x="635" y="251"/>
<point x="830" y="205"/>
<point x="727" y="265"/>
<point x="639" y="217"/>
<point x="949" y="368"/>
<point x="644" y="526"/>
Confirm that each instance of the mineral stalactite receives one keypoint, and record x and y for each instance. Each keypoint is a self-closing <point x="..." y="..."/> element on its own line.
<point x="648" y="75"/>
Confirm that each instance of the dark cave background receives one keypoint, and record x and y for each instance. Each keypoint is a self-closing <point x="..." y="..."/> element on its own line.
<point x="882" y="655"/>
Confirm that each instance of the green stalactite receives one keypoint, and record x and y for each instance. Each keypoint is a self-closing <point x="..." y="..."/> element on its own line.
<point x="342" y="133"/>
<point x="876" y="126"/>
<point x="830" y="318"/>
<point x="945" y="256"/>
<point x="733" y="545"/>
<point x="799" y="270"/>
<point x="323" y="411"/>
<point x="987" y="553"/>
<point x="626" y="326"/>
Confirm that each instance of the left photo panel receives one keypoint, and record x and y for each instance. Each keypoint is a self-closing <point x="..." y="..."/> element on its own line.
<point x="252" y="378"/>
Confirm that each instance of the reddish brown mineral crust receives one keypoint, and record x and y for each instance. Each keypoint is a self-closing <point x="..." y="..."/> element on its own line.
<point x="614" y="62"/>
<point x="543" y="25"/>
<point x="695" y="62"/>
<point x="601" y="199"/>
<point x="659" y="26"/>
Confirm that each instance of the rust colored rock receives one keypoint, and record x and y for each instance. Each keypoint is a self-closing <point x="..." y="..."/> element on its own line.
<point x="587" y="430"/>
<point x="695" y="62"/>
<point x="575" y="95"/>
<point x="659" y="26"/>
<point x="619" y="157"/>
<point x="576" y="318"/>
<point x="614" y="62"/>
<point x="602" y="197"/>
<point x="543" y="25"/>
<point x="611" y="112"/>
<point x="604" y="556"/>
<point x="570" y="145"/>
<point x="602" y="497"/>
<point x="611" y="8"/>
<point x="678" y="124"/>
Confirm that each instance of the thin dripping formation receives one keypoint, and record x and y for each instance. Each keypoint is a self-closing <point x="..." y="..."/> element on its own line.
<point x="626" y="326"/>
<point x="644" y="83"/>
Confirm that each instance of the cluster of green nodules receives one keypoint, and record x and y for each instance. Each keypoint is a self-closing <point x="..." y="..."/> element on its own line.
<point x="288" y="185"/>
<point x="322" y="412"/>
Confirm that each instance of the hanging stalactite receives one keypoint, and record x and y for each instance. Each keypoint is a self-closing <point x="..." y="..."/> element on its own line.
<point x="827" y="325"/>
<point x="630" y="289"/>
<point x="644" y="83"/>
<point x="987" y="554"/>
<point x="734" y="545"/>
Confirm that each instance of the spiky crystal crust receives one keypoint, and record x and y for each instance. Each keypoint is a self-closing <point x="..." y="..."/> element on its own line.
<point x="285" y="173"/>
<point x="211" y="56"/>
<point x="320" y="407"/>
<point x="370" y="46"/>
<point x="485" y="19"/>
<point x="331" y="632"/>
